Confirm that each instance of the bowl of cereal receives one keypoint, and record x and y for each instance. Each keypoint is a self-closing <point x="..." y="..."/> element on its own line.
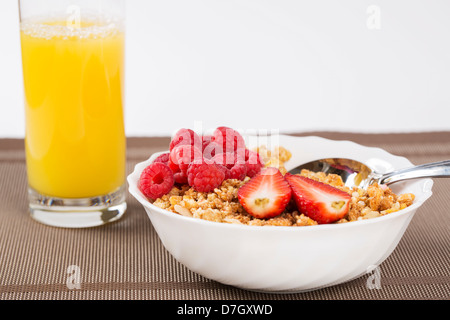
<point x="213" y="234"/>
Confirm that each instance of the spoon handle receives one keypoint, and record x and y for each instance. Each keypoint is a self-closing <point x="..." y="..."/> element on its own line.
<point x="428" y="170"/>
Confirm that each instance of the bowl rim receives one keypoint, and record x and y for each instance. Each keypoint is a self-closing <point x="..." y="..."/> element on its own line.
<point x="427" y="183"/>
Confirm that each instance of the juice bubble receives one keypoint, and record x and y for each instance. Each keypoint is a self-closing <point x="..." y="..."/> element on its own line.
<point x="87" y="28"/>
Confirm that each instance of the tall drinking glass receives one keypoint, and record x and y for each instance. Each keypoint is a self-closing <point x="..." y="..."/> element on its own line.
<point x="73" y="72"/>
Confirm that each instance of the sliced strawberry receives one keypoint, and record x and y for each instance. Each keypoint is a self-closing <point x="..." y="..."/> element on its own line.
<point x="319" y="201"/>
<point x="265" y="195"/>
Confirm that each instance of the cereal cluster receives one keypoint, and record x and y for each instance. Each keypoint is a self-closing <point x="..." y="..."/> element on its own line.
<point x="274" y="158"/>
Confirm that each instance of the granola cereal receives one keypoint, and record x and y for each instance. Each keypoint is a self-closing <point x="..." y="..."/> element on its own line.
<point x="275" y="158"/>
<point x="222" y="204"/>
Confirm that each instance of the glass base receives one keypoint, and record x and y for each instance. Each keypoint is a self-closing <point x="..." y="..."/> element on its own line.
<point x="77" y="213"/>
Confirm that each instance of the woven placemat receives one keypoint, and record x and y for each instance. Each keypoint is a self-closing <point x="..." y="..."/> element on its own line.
<point x="126" y="260"/>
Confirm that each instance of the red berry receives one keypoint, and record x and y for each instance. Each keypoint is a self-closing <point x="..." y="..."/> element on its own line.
<point x="205" y="141"/>
<point x="229" y="139"/>
<point x="212" y="149"/>
<point x="253" y="162"/>
<point x="234" y="166"/>
<point x="239" y="171"/>
<point x="226" y="159"/>
<point x="180" y="158"/>
<point x="163" y="158"/>
<point x="266" y="195"/>
<point x="185" y="136"/>
<point x="180" y="177"/>
<point x="319" y="201"/>
<point x="156" y="180"/>
<point x="205" y="176"/>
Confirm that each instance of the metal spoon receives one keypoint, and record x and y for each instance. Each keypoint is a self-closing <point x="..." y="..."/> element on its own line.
<point x="357" y="174"/>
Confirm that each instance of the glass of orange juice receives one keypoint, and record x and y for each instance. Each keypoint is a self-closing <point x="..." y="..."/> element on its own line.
<point x="73" y="73"/>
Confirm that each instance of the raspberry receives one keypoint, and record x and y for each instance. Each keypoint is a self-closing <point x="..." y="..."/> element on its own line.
<point x="234" y="166"/>
<point x="253" y="162"/>
<point x="156" y="180"/>
<point x="212" y="149"/>
<point x="163" y="158"/>
<point x="205" y="176"/>
<point x="205" y="141"/>
<point x="180" y="158"/>
<point x="227" y="159"/>
<point x="239" y="171"/>
<point x="180" y="177"/>
<point x="229" y="139"/>
<point x="185" y="136"/>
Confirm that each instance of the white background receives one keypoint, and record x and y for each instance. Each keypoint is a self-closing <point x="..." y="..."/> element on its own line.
<point x="291" y="65"/>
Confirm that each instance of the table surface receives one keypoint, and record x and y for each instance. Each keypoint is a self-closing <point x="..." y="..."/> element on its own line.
<point x="126" y="260"/>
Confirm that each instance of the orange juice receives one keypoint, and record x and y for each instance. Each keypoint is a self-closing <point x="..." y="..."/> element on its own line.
<point x="73" y="82"/>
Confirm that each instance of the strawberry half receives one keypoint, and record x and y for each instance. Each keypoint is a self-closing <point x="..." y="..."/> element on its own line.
<point x="265" y="195"/>
<point x="319" y="201"/>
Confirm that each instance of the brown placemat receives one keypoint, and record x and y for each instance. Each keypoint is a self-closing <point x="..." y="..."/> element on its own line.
<point x="126" y="260"/>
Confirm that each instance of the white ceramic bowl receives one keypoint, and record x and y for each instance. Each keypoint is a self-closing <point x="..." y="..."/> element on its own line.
<point x="288" y="259"/>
